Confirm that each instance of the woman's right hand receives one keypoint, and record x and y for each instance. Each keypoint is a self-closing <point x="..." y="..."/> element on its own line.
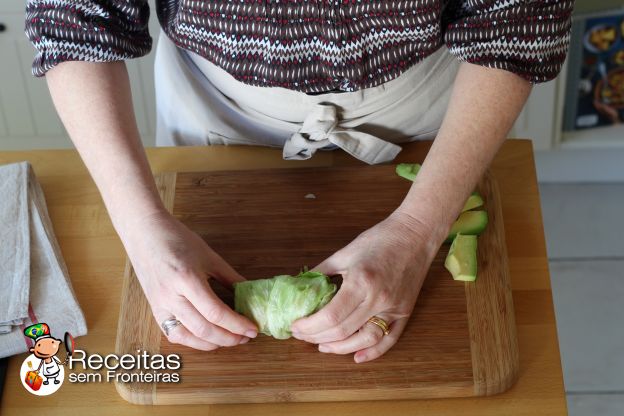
<point x="171" y="262"/>
<point x="173" y="265"/>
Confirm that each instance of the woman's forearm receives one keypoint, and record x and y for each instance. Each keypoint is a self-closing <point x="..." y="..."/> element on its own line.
<point x="484" y="104"/>
<point x="94" y="102"/>
<point x="173" y="264"/>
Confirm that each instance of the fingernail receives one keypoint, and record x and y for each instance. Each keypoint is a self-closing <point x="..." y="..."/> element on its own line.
<point x="251" y="334"/>
<point x="323" y="348"/>
<point x="244" y="340"/>
<point x="358" y="358"/>
<point x="296" y="335"/>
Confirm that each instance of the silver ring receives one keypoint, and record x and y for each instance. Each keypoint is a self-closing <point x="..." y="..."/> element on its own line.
<point x="169" y="324"/>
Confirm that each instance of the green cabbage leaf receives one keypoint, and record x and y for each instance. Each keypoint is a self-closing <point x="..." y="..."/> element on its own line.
<point x="274" y="304"/>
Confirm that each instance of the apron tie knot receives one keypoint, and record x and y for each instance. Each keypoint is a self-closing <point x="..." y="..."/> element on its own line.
<point x="320" y="129"/>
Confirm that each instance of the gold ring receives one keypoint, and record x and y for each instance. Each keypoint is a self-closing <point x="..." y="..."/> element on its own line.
<point x="383" y="325"/>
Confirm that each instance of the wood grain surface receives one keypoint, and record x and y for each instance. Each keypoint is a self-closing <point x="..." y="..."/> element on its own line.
<point x="96" y="260"/>
<point x="460" y="340"/>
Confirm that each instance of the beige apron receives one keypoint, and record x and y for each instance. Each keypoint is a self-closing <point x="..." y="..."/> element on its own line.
<point x="199" y="103"/>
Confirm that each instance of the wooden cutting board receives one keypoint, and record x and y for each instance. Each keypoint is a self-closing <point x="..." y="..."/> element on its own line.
<point x="460" y="340"/>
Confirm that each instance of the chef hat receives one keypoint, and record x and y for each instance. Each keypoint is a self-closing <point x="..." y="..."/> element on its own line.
<point x="38" y="331"/>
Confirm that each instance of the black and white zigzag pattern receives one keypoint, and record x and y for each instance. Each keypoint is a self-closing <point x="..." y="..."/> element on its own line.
<point x="310" y="45"/>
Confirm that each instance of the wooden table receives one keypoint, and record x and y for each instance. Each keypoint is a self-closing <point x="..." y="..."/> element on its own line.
<point x="95" y="258"/>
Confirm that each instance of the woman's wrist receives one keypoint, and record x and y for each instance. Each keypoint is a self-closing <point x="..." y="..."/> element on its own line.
<point x="132" y="223"/>
<point x="420" y="231"/>
<point x="435" y="199"/>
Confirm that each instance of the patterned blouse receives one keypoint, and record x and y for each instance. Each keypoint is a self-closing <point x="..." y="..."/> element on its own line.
<point x="310" y="45"/>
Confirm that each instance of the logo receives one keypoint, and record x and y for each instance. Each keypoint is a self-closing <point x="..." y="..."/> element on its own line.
<point x="42" y="373"/>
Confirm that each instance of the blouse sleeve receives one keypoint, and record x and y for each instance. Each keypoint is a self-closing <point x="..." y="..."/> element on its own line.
<point x="527" y="37"/>
<point x="86" y="30"/>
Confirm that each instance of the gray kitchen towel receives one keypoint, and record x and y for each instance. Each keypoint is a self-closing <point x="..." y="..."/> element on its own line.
<point x="34" y="282"/>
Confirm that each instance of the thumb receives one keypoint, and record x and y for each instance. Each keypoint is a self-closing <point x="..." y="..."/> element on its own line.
<point x="329" y="266"/>
<point x="223" y="272"/>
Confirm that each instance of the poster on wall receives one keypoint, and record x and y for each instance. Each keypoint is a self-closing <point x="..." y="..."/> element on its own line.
<point x="594" y="94"/>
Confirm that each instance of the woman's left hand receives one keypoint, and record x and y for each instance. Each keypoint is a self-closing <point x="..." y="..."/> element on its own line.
<point x="383" y="270"/>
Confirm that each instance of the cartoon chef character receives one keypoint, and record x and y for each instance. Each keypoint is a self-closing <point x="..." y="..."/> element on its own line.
<point x="45" y="348"/>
